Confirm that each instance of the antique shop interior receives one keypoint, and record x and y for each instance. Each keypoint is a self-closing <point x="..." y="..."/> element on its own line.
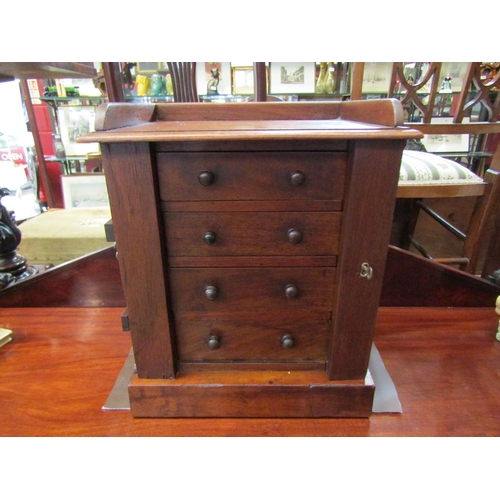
<point x="46" y="170"/>
<point x="384" y="178"/>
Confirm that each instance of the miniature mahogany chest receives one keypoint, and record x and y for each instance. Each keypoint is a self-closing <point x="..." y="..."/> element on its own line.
<point x="252" y="240"/>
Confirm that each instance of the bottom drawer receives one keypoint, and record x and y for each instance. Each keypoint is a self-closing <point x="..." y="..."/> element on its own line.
<point x="212" y="340"/>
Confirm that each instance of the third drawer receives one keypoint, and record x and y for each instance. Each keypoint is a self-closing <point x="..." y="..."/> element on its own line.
<point x="235" y="292"/>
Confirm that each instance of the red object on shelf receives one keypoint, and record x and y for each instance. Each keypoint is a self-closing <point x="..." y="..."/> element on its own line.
<point x="45" y="132"/>
<point x="41" y="195"/>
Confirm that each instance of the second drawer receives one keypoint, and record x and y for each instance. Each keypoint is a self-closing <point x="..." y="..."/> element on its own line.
<point x="216" y="234"/>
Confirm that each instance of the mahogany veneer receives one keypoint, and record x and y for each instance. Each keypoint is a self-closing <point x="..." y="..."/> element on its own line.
<point x="252" y="241"/>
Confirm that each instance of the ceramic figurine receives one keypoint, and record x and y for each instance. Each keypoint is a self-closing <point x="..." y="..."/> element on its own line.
<point x="13" y="267"/>
<point x="143" y="84"/>
<point x="168" y="85"/>
<point x="446" y="85"/>
<point x="128" y="73"/>
<point x="158" y="86"/>
<point x="213" y="82"/>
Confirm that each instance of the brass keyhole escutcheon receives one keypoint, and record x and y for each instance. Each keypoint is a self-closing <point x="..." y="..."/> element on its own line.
<point x="366" y="271"/>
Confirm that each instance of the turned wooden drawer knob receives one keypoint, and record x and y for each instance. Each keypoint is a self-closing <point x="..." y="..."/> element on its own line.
<point x="211" y="292"/>
<point x="291" y="291"/>
<point x="214" y="342"/>
<point x="287" y="341"/>
<point x="294" y="236"/>
<point x="209" y="238"/>
<point x="206" y="178"/>
<point x="297" y="178"/>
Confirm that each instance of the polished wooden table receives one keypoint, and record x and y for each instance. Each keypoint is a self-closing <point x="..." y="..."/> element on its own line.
<point x="57" y="373"/>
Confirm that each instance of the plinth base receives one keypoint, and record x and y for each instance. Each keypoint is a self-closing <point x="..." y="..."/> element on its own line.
<point x="251" y="394"/>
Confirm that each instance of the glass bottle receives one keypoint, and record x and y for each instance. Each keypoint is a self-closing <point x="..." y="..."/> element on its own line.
<point x="331" y="81"/>
<point x="59" y="150"/>
<point x="322" y="78"/>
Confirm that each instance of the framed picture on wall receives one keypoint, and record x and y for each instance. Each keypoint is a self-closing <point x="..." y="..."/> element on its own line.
<point x="75" y="121"/>
<point x="148" y="68"/>
<point x="243" y="80"/>
<point x="376" y="77"/>
<point x="85" y="191"/>
<point x="446" y="143"/>
<point x="207" y="71"/>
<point x="292" y="78"/>
<point x="456" y="71"/>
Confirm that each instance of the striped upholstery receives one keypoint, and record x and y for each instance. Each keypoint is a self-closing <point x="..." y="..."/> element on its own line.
<point x="420" y="168"/>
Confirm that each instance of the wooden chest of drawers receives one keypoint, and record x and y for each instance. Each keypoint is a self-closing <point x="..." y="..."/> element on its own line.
<point x="252" y="241"/>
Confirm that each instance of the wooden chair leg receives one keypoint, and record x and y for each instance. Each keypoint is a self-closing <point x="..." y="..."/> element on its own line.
<point x="404" y="222"/>
<point x="412" y="223"/>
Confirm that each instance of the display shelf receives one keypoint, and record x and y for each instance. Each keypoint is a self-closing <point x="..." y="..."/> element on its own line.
<point x="320" y="97"/>
<point x="69" y="164"/>
<point x="149" y="98"/>
<point x="225" y="98"/>
<point x="66" y="158"/>
<point x="74" y="101"/>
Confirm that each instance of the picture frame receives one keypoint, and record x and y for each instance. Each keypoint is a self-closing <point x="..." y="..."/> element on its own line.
<point x="243" y="80"/>
<point x="84" y="191"/>
<point x="73" y="122"/>
<point x="292" y="77"/>
<point x="446" y="143"/>
<point x="148" y="68"/>
<point x="204" y="75"/>
<point x="377" y="77"/>
<point x="457" y="71"/>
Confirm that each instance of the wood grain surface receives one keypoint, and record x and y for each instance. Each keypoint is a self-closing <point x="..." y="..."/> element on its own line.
<point x="59" y="369"/>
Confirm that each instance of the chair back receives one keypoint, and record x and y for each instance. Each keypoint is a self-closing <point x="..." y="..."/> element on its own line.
<point x="184" y="81"/>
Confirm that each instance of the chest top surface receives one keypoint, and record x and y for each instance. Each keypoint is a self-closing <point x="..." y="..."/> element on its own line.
<point x="249" y="121"/>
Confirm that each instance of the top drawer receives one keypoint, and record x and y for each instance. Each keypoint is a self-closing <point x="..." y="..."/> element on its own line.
<point x="251" y="176"/>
